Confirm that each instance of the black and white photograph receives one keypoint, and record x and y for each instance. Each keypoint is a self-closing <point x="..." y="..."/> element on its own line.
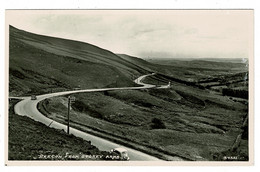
<point x="130" y="86"/>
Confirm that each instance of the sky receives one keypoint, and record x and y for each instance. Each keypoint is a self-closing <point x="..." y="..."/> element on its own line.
<point x="148" y="33"/>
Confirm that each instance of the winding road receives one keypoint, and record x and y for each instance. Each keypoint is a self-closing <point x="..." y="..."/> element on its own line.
<point x="28" y="107"/>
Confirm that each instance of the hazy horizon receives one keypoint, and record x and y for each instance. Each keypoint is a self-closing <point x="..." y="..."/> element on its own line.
<point x="147" y="33"/>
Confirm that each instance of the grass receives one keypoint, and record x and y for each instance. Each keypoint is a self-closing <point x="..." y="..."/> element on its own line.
<point x="191" y="132"/>
<point x="31" y="140"/>
<point x="39" y="65"/>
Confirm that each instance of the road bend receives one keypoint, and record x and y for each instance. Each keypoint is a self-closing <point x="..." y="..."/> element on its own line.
<point x="28" y="107"/>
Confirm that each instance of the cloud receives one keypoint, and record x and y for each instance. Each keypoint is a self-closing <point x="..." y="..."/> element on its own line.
<point x="149" y="32"/>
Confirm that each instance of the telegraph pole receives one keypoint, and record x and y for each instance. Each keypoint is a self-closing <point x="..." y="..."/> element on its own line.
<point x="70" y="101"/>
<point x="68" y="127"/>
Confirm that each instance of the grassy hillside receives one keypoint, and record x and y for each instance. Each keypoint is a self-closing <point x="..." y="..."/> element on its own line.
<point x="31" y="140"/>
<point x="139" y="62"/>
<point x="40" y="64"/>
<point x="184" y="121"/>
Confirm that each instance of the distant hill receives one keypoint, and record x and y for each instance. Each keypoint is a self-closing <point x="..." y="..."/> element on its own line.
<point x="201" y="63"/>
<point x="230" y="60"/>
<point x="39" y="64"/>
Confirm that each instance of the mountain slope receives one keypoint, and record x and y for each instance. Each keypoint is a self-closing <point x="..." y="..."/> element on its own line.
<point x="137" y="61"/>
<point x="39" y="64"/>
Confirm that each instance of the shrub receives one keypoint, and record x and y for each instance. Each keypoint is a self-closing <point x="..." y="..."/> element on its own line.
<point x="157" y="124"/>
<point x="235" y="93"/>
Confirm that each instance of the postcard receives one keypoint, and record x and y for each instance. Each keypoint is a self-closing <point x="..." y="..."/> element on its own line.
<point x="129" y="87"/>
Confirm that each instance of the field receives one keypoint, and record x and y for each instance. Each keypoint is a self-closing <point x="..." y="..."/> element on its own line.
<point x="226" y="76"/>
<point x="202" y="116"/>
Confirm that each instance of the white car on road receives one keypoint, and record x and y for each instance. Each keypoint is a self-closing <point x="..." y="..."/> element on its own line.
<point x="122" y="153"/>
